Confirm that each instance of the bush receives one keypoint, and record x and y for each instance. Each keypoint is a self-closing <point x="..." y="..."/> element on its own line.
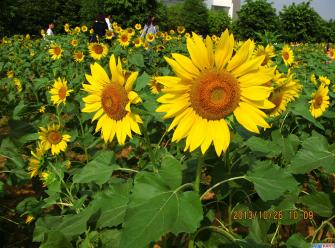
<point x="300" y="22"/>
<point x="174" y="17"/>
<point x="218" y="21"/>
<point x="256" y="16"/>
<point x="195" y="16"/>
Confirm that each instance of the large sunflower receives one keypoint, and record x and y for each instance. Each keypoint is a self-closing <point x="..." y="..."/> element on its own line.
<point x="59" y="91"/>
<point x="267" y="51"/>
<point x="52" y="138"/>
<point x="287" y="55"/>
<point x="110" y="100"/>
<point x="209" y="87"/>
<point x="55" y="51"/>
<point x="320" y="101"/>
<point x="97" y="50"/>
<point x="124" y="39"/>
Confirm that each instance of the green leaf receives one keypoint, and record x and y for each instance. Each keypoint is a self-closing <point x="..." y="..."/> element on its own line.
<point x="110" y="238"/>
<point x="297" y="241"/>
<point x="288" y="146"/>
<point x="18" y="110"/>
<point x="270" y="180"/>
<point x="155" y="209"/>
<point x="136" y="59"/>
<point x="314" y="154"/>
<point x="99" y="170"/>
<point x="171" y="171"/>
<point x="320" y="203"/>
<point x="265" y="146"/>
<point x="142" y="81"/>
<point x="56" y="239"/>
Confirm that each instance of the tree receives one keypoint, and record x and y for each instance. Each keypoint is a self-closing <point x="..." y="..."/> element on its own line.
<point x="195" y="15"/>
<point x="256" y="16"/>
<point x="218" y="21"/>
<point x="300" y="22"/>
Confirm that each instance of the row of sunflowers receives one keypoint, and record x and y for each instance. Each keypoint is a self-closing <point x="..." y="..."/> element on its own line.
<point x="156" y="140"/>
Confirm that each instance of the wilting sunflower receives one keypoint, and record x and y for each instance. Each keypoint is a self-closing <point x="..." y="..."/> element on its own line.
<point x="267" y="51"/>
<point x="212" y="85"/>
<point x="320" y="101"/>
<point x="150" y="37"/>
<point x="74" y="42"/>
<point x="109" y="34"/>
<point x="84" y="28"/>
<point x="138" y="42"/>
<point x="52" y="138"/>
<point x="155" y="87"/>
<point x="138" y="26"/>
<point x="78" y="56"/>
<point x="55" y="51"/>
<point x="287" y="55"/>
<point x="180" y="29"/>
<point x="110" y="99"/>
<point x="98" y="50"/>
<point x="35" y="162"/>
<point x="59" y="91"/>
<point x="285" y="90"/>
<point x="124" y="39"/>
<point x="324" y="80"/>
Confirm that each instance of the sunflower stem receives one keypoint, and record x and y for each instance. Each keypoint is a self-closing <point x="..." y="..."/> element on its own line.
<point x="148" y="144"/>
<point x="198" y="173"/>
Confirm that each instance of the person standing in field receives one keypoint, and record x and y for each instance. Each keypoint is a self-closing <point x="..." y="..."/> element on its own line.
<point x="108" y="22"/>
<point x="150" y="27"/>
<point x="99" y="28"/>
<point x="49" y="30"/>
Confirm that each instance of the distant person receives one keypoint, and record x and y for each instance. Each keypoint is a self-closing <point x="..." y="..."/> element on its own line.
<point x="99" y="28"/>
<point x="108" y="22"/>
<point x="50" y="28"/>
<point x="150" y="27"/>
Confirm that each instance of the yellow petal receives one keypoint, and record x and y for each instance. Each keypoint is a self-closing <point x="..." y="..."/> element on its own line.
<point x="240" y="57"/>
<point x="221" y="139"/>
<point x="130" y="81"/>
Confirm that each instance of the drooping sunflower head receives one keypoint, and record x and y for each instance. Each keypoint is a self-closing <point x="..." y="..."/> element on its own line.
<point x="110" y="99"/>
<point x="78" y="56"/>
<point x="150" y="37"/>
<point x="210" y="86"/>
<point x="52" y="138"/>
<point x="109" y="34"/>
<point x="324" y="80"/>
<point x="98" y="50"/>
<point x="138" y="42"/>
<point x="10" y="73"/>
<point x="320" y="101"/>
<point x="180" y="29"/>
<point x="124" y="39"/>
<point x="36" y="161"/>
<point x="313" y="79"/>
<point x="267" y="51"/>
<point x="287" y="55"/>
<point x="18" y="84"/>
<point x="59" y="91"/>
<point x="55" y="51"/>
<point x="138" y="26"/>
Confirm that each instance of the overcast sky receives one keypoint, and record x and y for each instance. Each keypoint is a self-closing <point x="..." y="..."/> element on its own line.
<point x="326" y="8"/>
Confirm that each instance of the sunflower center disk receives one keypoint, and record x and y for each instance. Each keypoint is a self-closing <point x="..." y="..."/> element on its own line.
<point x="215" y="95"/>
<point x="286" y="55"/>
<point x="54" y="137"/>
<point x="114" y="100"/>
<point x="56" y="50"/>
<point x="98" y="49"/>
<point x="62" y="93"/>
<point x="318" y="102"/>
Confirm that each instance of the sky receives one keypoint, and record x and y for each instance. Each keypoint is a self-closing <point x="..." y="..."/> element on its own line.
<point x="326" y="8"/>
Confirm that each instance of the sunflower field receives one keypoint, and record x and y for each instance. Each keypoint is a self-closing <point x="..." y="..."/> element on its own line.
<point x="170" y="140"/>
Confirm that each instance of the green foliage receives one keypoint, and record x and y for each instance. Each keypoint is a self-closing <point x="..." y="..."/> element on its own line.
<point x="218" y="21"/>
<point x="174" y="16"/>
<point x="195" y="16"/>
<point x="256" y="16"/>
<point x="300" y="22"/>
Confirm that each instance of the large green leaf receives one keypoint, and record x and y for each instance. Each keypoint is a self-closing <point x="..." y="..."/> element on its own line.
<point x="99" y="170"/>
<point x="136" y="59"/>
<point x="264" y="146"/>
<point x="155" y="208"/>
<point x="142" y="81"/>
<point x="315" y="153"/>
<point x="271" y="181"/>
<point x="320" y="203"/>
<point x="170" y="171"/>
<point x="56" y="239"/>
<point x="297" y="241"/>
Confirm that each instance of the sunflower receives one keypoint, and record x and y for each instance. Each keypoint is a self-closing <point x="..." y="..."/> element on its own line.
<point x="187" y="35"/>
<point x="78" y="56"/>
<point x="10" y="74"/>
<point x="138" y="42"/>
<point x="130" y="31"/>
<point x="267" y="51"/>
<point x="180" y="29"/>
<point x="320" y="101"/>
<point x="59" y="91"/>
<point x="124" y="39"/>
<point x="212" y="85"/>
<point x="150" y="37"/>
<point x="145" y="45"/>
<point x="287" y="55"/>
<point x="98" y="50"/>
<point x="66" y="27"/>
<point x="109" y="34"/>
<point x="110" y="99"/>
<point x="324" y="80"/>
<point x="36" y="161"/>
<point x="313" y="79"/>
<point x="331" y="53"/>
<point x="159" y="48"/>
<point x="42" y="33"/>
<point x="286" y="89"/>
<point x="18" y="84"/>
<point x="172" y="32"/>
<point x="138" y="26"/>
<point x="42" y="109"/>
<point x="52" y="138"/>
<point x="74" y="42"/>
<point x="55" y="51"/>
<point x="114" y="25"/>
<point x="77" y="29"/>
<point x="118" y="29"/>
<point x="155" y="87"/>
<point x="91" y="31"/>
<point x="84" y="28"/>
<point x="29" y="219"/>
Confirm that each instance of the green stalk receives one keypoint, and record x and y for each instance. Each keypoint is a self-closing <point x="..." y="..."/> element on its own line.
<point x="198" y="173"/>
